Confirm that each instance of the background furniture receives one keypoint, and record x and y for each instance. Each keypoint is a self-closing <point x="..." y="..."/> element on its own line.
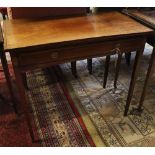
<point x="126" y="10"/>
<point x="145" y="16"/>
<point x="48" y="12"/>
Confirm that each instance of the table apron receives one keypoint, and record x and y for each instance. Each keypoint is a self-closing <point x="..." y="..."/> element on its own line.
<point x="36" y="59"/>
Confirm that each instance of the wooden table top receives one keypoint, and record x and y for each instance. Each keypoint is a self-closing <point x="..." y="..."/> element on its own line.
<point x="33" y="32"/>
<point x="147" y="17"/>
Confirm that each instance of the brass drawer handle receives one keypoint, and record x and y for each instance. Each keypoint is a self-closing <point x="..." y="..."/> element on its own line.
<point x="54" y="55"/>
<point x="116" y="49"/>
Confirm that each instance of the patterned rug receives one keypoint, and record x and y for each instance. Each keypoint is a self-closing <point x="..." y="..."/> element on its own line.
<point x="57" y="120"/>
<point x="105" y="107"/>
<point x="70" y="111"/>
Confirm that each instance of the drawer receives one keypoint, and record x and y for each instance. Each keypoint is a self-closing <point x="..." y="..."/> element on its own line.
<point x="61" y="55"/>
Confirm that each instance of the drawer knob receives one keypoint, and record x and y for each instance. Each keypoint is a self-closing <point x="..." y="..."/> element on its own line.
<point x="54" y="55"/>
<point x="116" y="49"/>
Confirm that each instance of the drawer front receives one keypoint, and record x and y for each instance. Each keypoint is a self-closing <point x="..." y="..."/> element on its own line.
<point x="56" y="56"/>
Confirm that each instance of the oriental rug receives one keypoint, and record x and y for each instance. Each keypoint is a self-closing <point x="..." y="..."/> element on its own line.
<point x="69" y="111"/>
<point x="105" y="107"/>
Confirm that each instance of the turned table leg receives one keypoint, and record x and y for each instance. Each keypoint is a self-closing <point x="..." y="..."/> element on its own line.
<point x="139" y="54"/>
<point x="106" y="70"/>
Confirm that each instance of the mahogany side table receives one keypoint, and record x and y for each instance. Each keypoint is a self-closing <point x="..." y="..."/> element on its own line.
<point x="55" y="41"/>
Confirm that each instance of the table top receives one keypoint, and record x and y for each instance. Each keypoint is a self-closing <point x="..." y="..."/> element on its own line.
<point x="147" y="17"/>
<point x="33" y="32"/>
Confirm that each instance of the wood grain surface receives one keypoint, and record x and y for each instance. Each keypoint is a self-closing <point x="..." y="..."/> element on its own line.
<point x="34" y="32"/>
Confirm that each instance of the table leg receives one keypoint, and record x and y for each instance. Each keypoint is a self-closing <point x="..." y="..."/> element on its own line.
<point x="25" y="81"/>
<point x="8" y="79"/>
<point x="24" y="102"/>
<point x="73" y="68"/>
<point x="139" y="54"/>
<point x="89" y="65"/>
<point x="128" y="58"/>
<point x="117" y="69"/>
<point x="106" y="70"/>
<point x="139" y="109"/>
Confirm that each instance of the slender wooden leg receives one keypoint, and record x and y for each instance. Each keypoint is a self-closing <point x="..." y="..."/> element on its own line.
<point x="128" y="58"/>
<point x="25" y="106"/>
<point x="106" y="70"/>
<point x="139" y="54"/>
<point x="8" y="79"/>
<point x="73" y="68"/>
<point x="139" y="109"/>
<point x="117" y="69"/>
<point x="89" y="65"/>
<point x="25" y="81"/>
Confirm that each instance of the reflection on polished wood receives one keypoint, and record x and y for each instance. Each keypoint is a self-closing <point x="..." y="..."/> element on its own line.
<point x="33" y="32"/>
